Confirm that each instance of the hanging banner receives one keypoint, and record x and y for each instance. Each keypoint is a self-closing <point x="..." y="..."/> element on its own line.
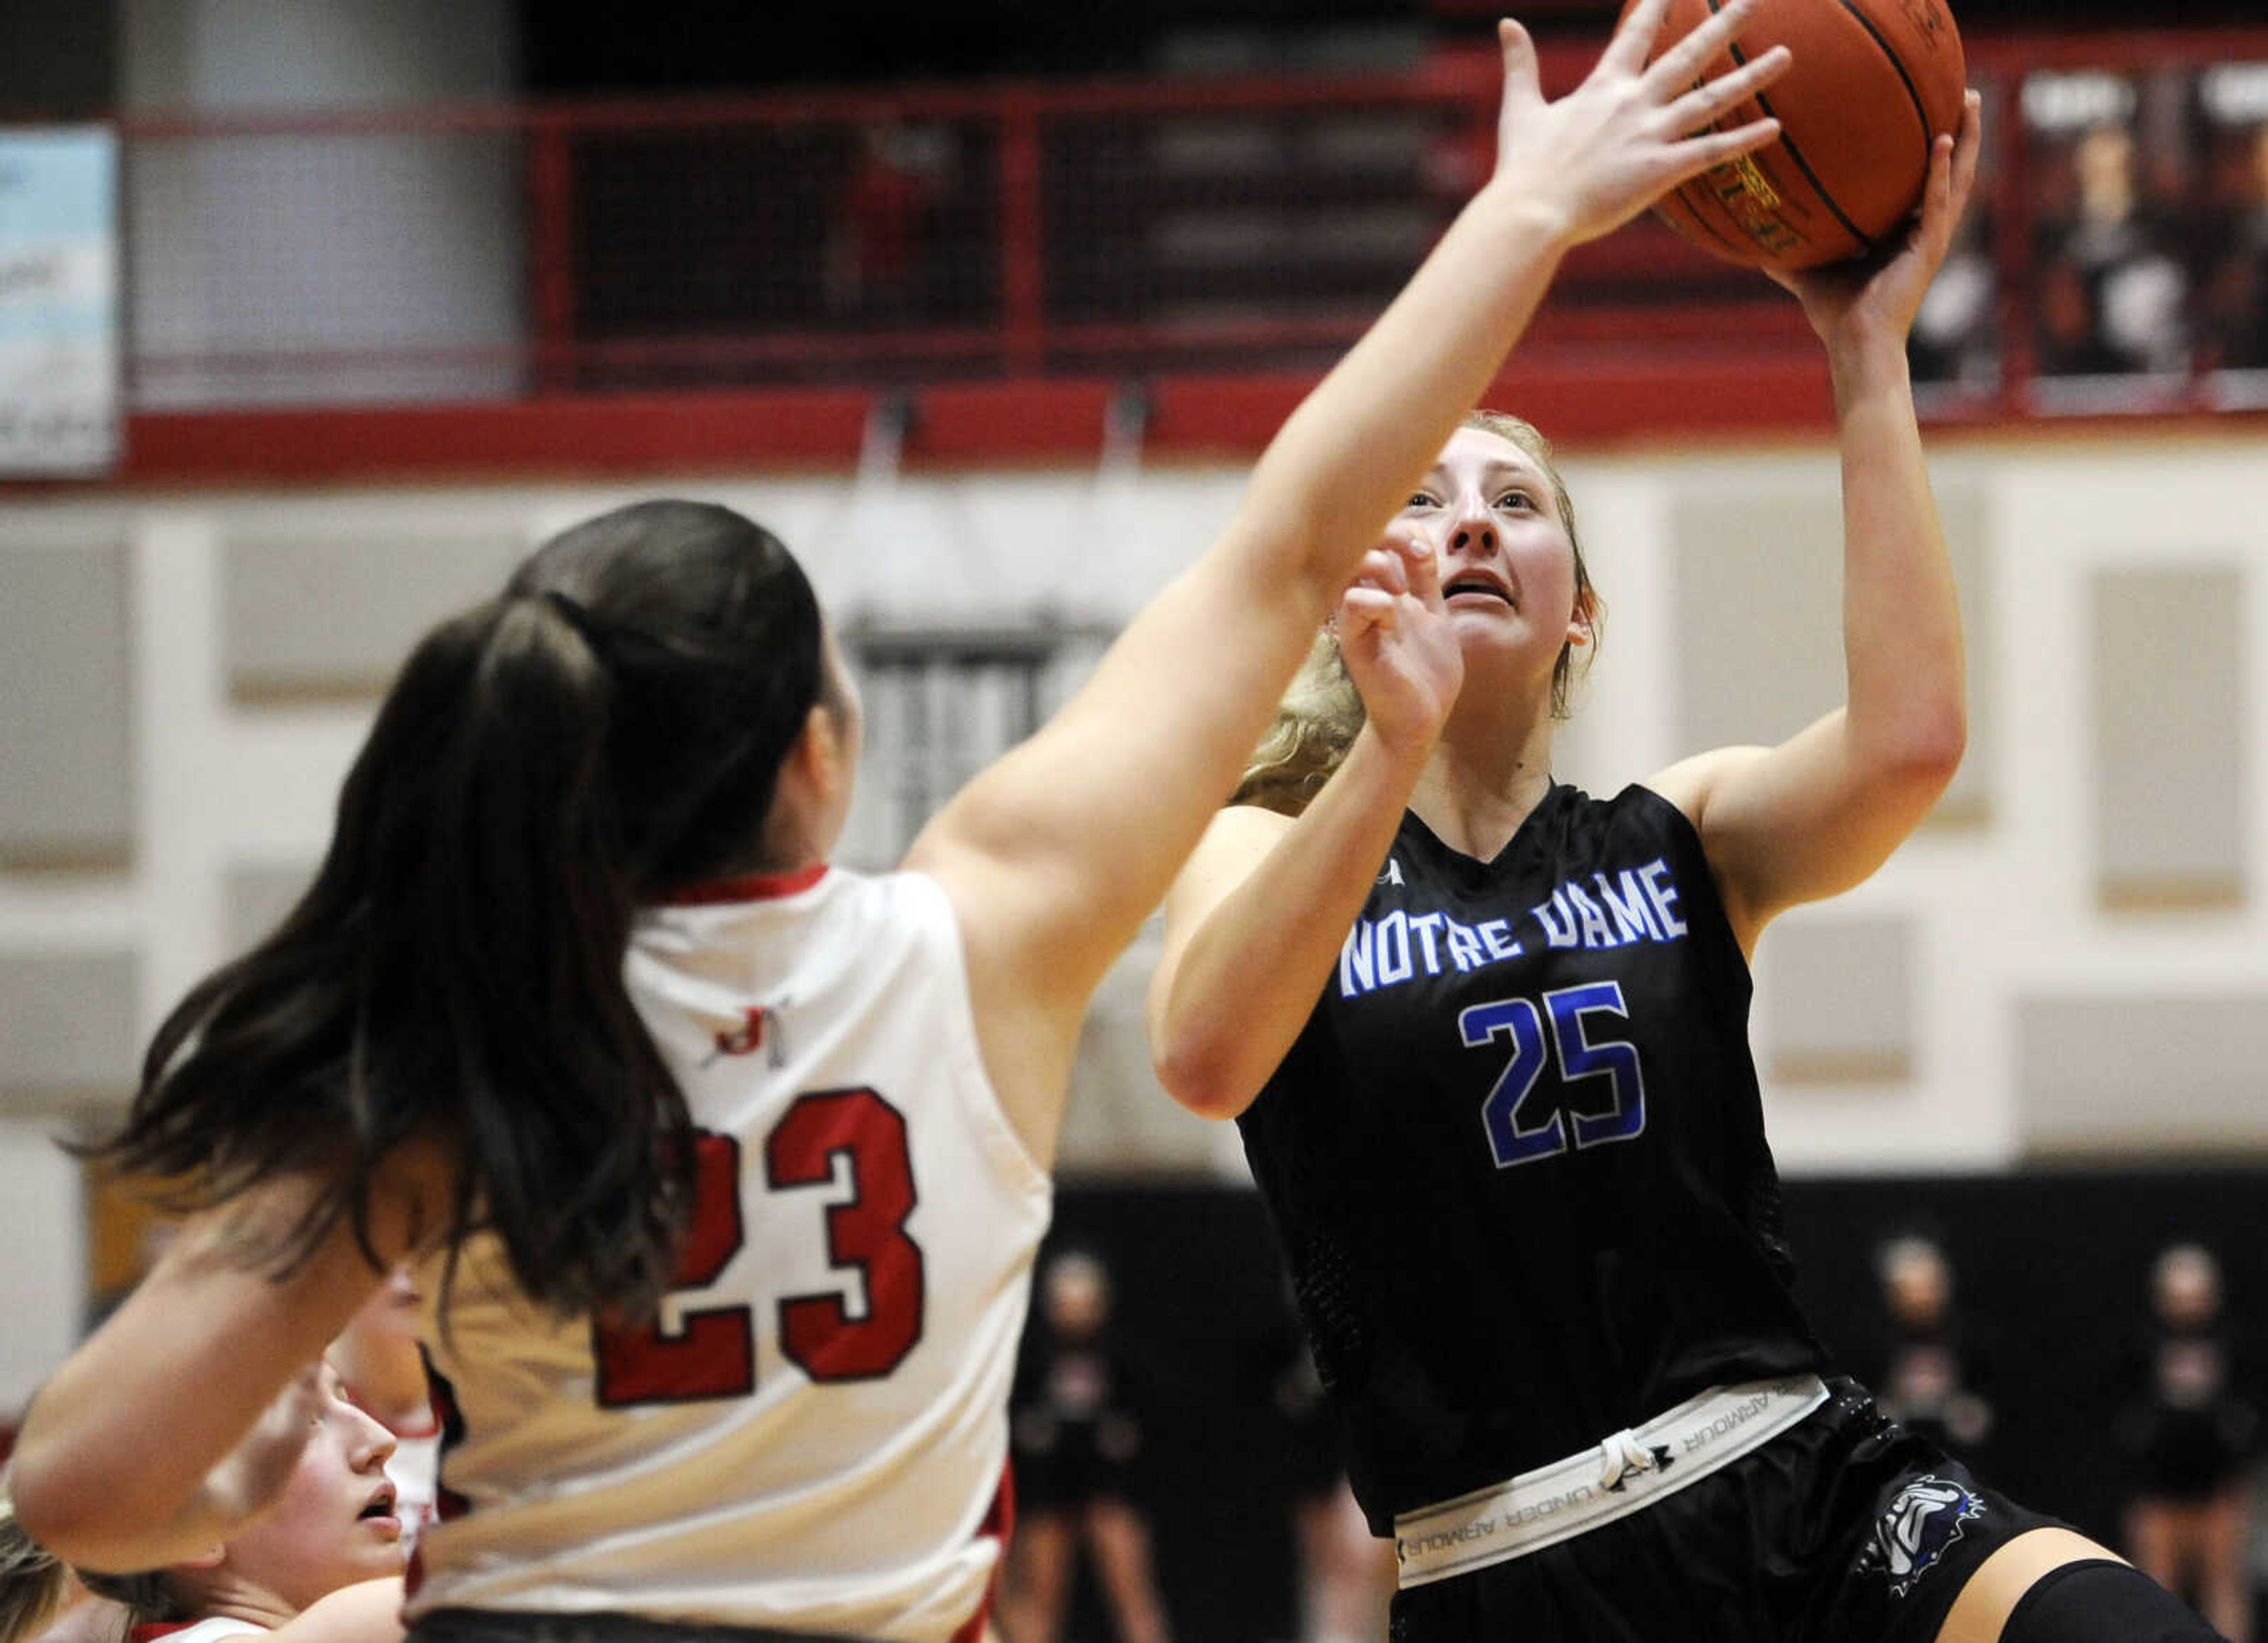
<point x="58" y="301"/>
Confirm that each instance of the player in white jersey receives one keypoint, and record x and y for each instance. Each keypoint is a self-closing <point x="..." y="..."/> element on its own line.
<point x="820" y="1026"/>
<point x="727" y="1211"/>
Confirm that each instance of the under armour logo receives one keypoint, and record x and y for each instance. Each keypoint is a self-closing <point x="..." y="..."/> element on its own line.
<point x="1625" y="1457"/>
<point x="1393" y="873"/>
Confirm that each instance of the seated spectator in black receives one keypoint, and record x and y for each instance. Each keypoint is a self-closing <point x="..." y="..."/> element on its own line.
<point x="1074" y="1440"/>
<point x="1928" y="1374"/>
<point x="2189" y="1434"/>
<point x="2113" y="299"/>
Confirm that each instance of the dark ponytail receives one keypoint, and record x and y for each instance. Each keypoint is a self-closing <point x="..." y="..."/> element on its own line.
<point x="544" y="762"/>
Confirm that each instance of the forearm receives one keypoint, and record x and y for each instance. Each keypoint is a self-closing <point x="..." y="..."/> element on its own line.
<point x="165" y="1433"/>
<point x="1901" y="611"/>
<point x="1239" y="988"/>
<point x="1344" y="461"/>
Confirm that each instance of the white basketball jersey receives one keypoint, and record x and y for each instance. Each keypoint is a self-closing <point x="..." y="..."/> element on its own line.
<point x="812" y="1435"/>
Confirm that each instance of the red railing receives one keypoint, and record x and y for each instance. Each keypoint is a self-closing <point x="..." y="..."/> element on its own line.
<point x="1037" y="245"/>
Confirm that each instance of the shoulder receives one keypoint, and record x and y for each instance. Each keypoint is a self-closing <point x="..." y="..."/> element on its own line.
<point x="1691" y="783"/>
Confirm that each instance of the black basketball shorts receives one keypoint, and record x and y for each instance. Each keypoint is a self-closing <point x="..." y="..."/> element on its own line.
<point x="1845" y="1529"/>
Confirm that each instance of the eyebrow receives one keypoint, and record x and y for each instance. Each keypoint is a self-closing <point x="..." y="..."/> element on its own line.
<point x="1496" y="467"/>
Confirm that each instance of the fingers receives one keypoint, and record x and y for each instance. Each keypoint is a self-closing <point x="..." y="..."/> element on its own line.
<point x="1952" y="176"/>
<point x="1523" y="78"/>
<point x="1967" y="151"/>
<point x="1362" y="606"/>
<point x="1633" y="42"/>
<point x="1424" y="573"/>
<point x="1683" y="63"/>
<point x="1700" y="107"/>
<point x="1712" y="149"/>
<point x="1385" y="569"/>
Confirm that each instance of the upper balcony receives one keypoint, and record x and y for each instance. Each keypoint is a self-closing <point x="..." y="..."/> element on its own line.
<point x="1014" y="270"/>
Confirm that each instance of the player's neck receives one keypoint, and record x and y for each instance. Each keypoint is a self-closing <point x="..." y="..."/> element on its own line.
<point x="224" y="1594"/>
<point x="1481" y="784"/>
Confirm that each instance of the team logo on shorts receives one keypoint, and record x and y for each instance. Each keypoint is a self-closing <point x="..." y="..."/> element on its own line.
<point x="1920" y="1527"/>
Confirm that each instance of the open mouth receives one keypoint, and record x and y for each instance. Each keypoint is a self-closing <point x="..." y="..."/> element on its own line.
<point x="1478" y="586"/>
<point x="380" y="1504"/>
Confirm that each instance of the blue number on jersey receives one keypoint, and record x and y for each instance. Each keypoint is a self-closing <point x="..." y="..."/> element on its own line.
<point x="1513" y="1139"/>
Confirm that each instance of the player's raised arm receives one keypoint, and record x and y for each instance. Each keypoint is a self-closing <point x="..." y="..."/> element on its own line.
<point x="1817" y="813"/>
<point x="1055" y="855"/>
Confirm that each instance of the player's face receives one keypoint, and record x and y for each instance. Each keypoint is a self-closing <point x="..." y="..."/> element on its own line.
<point x="1507" y="564"/>
<point x="336" y="1523"/>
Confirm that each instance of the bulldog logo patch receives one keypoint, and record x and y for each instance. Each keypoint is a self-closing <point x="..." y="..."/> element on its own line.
<point x="1913" y="1536"/>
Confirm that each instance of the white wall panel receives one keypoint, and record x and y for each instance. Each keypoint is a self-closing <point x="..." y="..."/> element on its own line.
<point x="1990" y="914"/>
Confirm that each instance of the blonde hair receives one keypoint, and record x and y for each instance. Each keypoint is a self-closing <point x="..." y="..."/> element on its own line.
<point x="34" y="1581"/>
<point x="1321" y="713"/>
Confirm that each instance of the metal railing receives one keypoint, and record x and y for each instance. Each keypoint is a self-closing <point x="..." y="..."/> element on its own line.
<point x="1119" y="229"/>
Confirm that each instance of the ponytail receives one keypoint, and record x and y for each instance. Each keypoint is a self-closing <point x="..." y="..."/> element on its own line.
<point x="544" y="763"/>
<point x="454" y="972"/>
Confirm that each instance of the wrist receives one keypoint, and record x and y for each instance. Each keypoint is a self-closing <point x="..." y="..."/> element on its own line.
<point x="1514" y="202"/>
<point x="1397" y="755"/>
<point x="1864" y="360"/>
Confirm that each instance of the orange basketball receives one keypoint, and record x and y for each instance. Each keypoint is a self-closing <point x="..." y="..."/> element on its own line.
<point x="1873" y="83"/>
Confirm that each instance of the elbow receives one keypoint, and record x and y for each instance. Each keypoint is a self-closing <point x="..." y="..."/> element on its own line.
<point x="46" y="1512"/>
<point x="1921" y="754"/>
<point x="1201" y="1079"/>
<point x="1935" y="744"/>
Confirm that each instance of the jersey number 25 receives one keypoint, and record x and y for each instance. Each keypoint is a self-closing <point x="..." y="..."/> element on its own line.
<point x="712" y="1352"/>
<point x="1521" y="1131"/>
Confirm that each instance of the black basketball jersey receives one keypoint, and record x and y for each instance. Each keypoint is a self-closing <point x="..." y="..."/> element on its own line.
<point x="1516" y="1157"/>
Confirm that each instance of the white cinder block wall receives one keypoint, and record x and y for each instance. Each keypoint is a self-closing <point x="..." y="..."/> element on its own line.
<point x="1984" y="914"/>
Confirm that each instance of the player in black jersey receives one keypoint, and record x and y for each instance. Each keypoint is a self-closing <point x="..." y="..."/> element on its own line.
<point x="1487" y="1039"/>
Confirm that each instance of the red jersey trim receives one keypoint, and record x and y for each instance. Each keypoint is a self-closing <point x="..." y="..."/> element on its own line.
<point x="748" y="887"/>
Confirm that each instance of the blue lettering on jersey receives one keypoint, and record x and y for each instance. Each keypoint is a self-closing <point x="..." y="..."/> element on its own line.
<point x="1611" y="909"/>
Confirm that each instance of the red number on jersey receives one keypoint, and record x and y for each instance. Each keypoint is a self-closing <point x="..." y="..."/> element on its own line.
<point x="712" y="1352"/>
<point x="868" y="1232"/>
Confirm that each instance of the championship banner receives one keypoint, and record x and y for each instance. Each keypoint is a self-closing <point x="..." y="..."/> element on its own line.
<point x="58" y="301"/>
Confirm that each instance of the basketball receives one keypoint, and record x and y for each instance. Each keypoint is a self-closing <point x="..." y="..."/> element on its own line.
<point x="1873" y="84"/>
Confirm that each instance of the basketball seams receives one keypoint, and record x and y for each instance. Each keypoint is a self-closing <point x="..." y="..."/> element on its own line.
<point x="1905" y="76"/>
<point x="1838" y="120"/>
<point x="1795" y="153"/>
<point x="1733" y="247"/>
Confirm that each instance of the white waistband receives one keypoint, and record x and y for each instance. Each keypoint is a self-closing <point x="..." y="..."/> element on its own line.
<point x="1626" y="1473"/>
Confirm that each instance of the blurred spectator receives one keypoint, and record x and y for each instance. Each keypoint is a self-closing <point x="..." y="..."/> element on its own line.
<point x="877" y="246"/>
<point x="2113" y="297"/>
<point x="1075" y="1439"/>
<point x="2188" y="1435"/>
<point x="1954" y="338"/>
<point x="1347" y="1573"/>
<point x="2236" y="299"/>
<point x="1928" y="1375"/>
